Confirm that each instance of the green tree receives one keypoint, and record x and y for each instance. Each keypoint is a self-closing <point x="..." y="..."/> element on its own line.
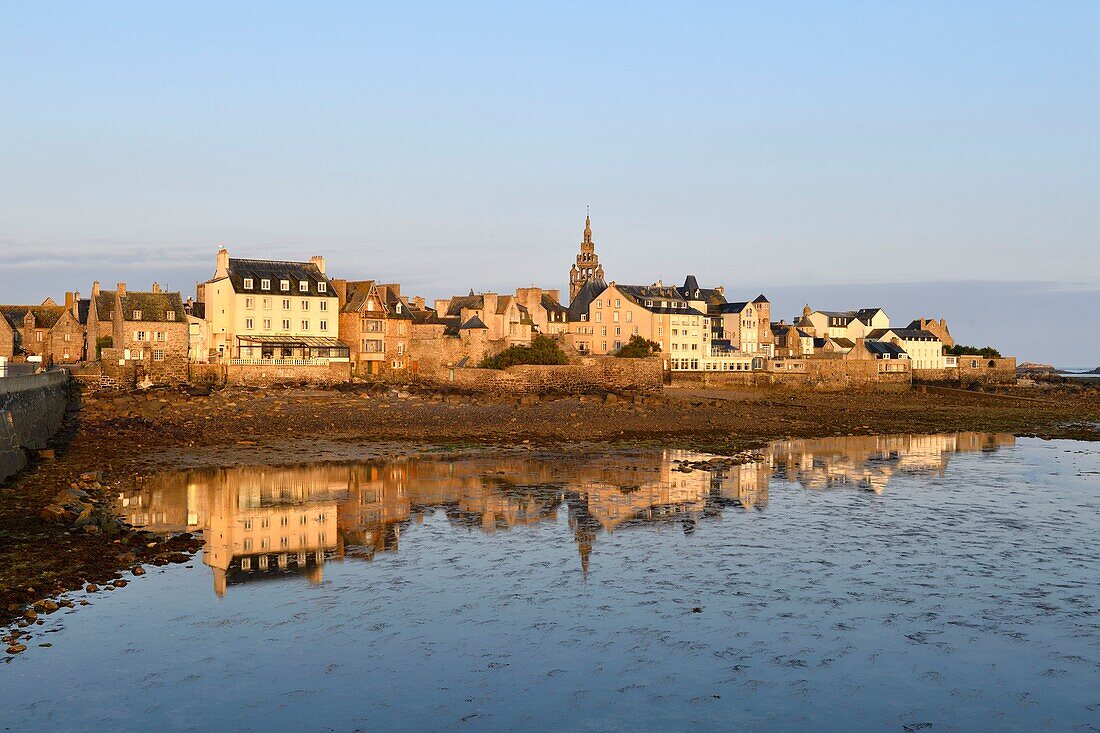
<point x="638" y="348"/>
<point x="543" y="350"/>
<point x="987" y="352"/>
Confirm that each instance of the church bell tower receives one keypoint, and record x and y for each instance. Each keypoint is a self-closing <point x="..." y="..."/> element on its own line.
<point x="588" y="265"/>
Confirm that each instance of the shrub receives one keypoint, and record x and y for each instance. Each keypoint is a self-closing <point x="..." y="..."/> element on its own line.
<point x="987" y="352"/>
<point x="543" y="350"/>
<point x="638" y="348"/>
<point x="103" y="342"/>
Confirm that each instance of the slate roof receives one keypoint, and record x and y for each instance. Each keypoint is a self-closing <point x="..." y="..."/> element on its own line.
<point x="864" y="315"/>
<point x="196" y="310"/>
<point x="658" y="297"/>
<point x="761" y="299"/>
<point x="915" y="334"/>
<point x="711" y="296"/>
<point x="276" y="270"/>
<point x="154" y="307"/>
<point x="844" y="343"/>
<point x="884" y="349"/>
<point x="588" y="293"/>
<point x="45" y="316"/>
<point x="357" y="293"/>
<point x="877" y="333"/>
<point x="732" y="307"/>
<point x="105" y="304"/>
<point x="83" y="307"/>
<point x="551" y="305"/>
<point x="471" y="323"/>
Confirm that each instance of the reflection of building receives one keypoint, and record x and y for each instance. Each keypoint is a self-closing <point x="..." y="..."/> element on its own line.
<point x="263" y="521"/>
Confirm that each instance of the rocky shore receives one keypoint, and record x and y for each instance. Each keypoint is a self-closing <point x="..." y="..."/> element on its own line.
<point x="59" y="535"/>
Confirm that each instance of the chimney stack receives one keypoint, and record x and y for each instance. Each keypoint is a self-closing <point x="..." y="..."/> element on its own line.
<point x="156" y="287"/>
<point x="222" y="269"/>
<point x="68" y="300"/>
<point x="121" y="288"/>
<point x="318" y="260"/>
<point x="95" y="289"/>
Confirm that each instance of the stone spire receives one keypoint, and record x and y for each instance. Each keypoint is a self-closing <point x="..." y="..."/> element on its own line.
<point x="588" y="265"/>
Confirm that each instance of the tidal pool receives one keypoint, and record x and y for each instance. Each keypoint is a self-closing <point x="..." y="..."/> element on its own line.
<point x="941" y="583"/>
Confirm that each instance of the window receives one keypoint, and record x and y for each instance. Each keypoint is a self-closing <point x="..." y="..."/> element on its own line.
<point x="160" y="336"/>
<point x="599" y="317"/>
<point x="248" y="324"/>
<point x="649" y="304"/>
<point x="305" y="325"/>
<point x="249" y="303"/>
<point x="283" y="521"/>
<point x="305" y="304"/>
<point x="137" y="315"/>
<point x="303" y="286"/>
<point x="599" y="304"/>
<point x="286" y="324"/>
<point x="247" y="544"/>
<point x="248" y="283"/>
<point x="265" y="523"/>
<point x="284" y="542"/>
<point x="139" y="335"/>
<point x="618" y="331"/>
<point x="265" y="542"/>
<point x="265" y="284"/>
<point x="324" y="305"/>
<point x="158" y="354"/>
<point x="267" y="304"/>
<point x="169" y="315"/>
<point x="322" y="287"/>
<point x="629" y="316"/>
<point x="267" y="324"/>
<point x="66" y="337"/>
<point x="284" y="285"/>
<point x="617" y="303"/>
<point x="286" y="304"/>
<point x="615" y="316"/>
<point x="370" y="305"/>
<point x="324" y="325"/>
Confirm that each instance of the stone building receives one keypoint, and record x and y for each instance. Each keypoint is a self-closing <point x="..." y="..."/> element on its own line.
<point x="148" y="332"/>
<point x="939" y="328"/>
<point x="923" y="347"/>
<point x="506" y="321"/>
<point x="548" y="315"/>
<point x="272" y="312"/>
<point x="51" y="331"/>
<point x="745" y="325"/>
<point x="587" y="267"/>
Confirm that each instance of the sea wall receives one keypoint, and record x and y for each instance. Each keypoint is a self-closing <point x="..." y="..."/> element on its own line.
<point x="31" y="410"/>
<point x="590" y="375"/>
<point x="826" y="375"/>
<point x="263" y="375"/>
<point x="971" y="370"/>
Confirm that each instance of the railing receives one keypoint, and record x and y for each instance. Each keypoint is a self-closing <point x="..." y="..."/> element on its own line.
<point x="279" y="362"/>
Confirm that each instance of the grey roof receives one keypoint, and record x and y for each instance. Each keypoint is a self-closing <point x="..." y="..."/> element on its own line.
<point x="844" y="343"/>
<point x="884" y="348"/>
<point x="692" y="291"/>
<point x="153" y="307"/>
<point x="551" y="305"/>
<point x="275" y="271"/>
<point x="655" y="298"/>
<point x="733" y="307"/>
<point x="761" y="299"/>
<point x="588" y="293"/>
<point x="82" y="307"/>
<point x="357" y="293"/>
<point x="313" y="341"/>
<point x="877" y="333"/>
<point x="471" y="323"/>
<point x="915" y="334"/>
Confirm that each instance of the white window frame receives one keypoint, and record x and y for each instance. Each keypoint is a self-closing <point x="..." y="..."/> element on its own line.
<point x="248" y="283"/>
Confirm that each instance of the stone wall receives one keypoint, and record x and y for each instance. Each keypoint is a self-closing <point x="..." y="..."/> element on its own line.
<point x="828" y="375"/>
<point x="31" y="410"/>
<point x="971" y="370"/>
<point x="590" y="375"/>
<point x="170" y="369"/>
<point x="262" y="376"/>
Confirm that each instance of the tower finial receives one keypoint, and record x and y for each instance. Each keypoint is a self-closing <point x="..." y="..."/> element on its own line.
<point x="587" y="226"/>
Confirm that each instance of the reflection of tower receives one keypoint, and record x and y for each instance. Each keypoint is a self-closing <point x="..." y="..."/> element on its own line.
<point x="588" y="265"/>
<point x="583" y="524"/>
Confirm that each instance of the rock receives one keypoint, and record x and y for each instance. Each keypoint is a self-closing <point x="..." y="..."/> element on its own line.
<point x="91" y="587"/>
<point x="120" y="583"/>
<point x="138" y="570"/>
<point x="47" y="454"/>
<point x="16" y="648"/>
<point x="30" y="614"/>
<point x="56" y="513"/>
<point x="46" y="606"/>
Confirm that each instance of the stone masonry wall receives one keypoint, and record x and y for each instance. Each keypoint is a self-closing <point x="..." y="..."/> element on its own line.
<point x="262" y="376"/>
<point x="590" y="375"/>
<point x="971" y="369"/>
<point x="31" y="410"/>
<point x="828" y="375"/>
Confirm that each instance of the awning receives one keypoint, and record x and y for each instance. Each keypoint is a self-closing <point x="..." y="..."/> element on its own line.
<point x="316" y="342"/>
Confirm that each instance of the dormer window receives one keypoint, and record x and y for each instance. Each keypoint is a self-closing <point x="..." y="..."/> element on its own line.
<point x="370" y="305"/>
<point x="397" y="308"/>
<point x="169" y="315"/>
<point x="322" y="287"/>
<point x="649" y="304"/>
<point x="303" y="286"/>
<point x="265" y="284"/>
<point x="248" y="283"/>
<point x="137" y="315"/>
<point x="284" y="285"/>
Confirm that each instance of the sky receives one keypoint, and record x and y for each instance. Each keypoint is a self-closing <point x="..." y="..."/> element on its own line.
<point x="912" y="156"/>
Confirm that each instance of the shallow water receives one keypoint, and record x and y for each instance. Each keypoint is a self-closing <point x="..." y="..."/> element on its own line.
<point x="889" y="583"/>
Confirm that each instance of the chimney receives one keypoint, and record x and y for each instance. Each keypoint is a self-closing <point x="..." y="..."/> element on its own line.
<point x="76" y="302"/>
<point x="121" y="288"/>
<point x="156" y="287"/>
<point x="490" y="304"/>
<point x="418" y="302"/>
<point x="319" y="261"/>
<point x="95" y="289"/>
<point x="222" y="269"/>
<point x="68" y="300"/>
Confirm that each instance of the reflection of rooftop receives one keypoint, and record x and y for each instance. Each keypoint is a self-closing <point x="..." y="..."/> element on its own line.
<point x="261" y="522"/>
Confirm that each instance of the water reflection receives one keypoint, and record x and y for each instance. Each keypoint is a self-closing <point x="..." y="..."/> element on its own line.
<point x="261" y="522"/>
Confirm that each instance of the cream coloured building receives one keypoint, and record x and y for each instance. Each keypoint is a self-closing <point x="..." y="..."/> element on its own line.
<point x="271" y="312"/>
<point x="924" y="348"/>
<point x="850" y="325"/>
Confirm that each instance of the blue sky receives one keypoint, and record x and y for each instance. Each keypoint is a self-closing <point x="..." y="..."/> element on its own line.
<point x="835" y="147"/>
